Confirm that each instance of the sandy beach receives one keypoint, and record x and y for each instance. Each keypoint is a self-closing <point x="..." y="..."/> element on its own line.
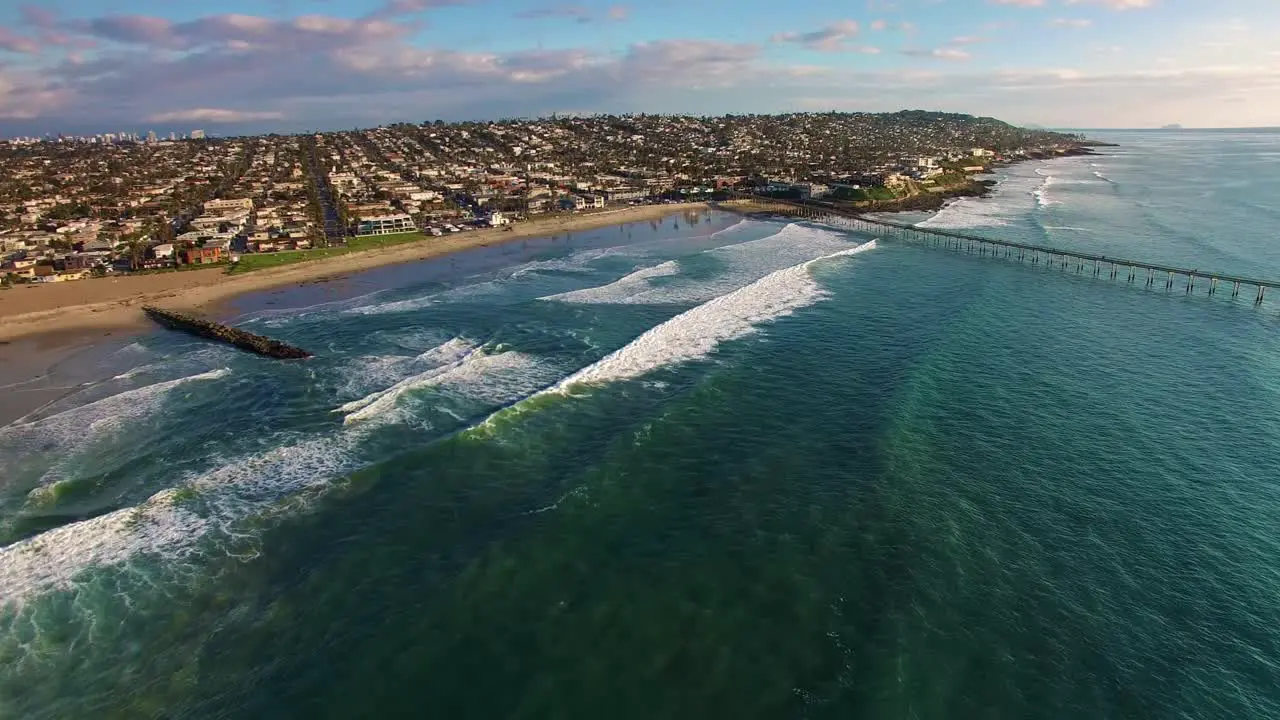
<point x="112" y="303"/>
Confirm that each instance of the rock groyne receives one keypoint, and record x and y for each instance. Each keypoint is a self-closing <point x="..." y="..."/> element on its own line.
<point x="246" y="341"/>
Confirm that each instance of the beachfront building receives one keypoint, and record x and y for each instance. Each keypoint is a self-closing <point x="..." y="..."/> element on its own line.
<point x="204" y="255"/>
<point x="623" y="194"/>
<point x="497" y="219"/>
<point x="385" y="225"/>
<point x="572" y="202"/>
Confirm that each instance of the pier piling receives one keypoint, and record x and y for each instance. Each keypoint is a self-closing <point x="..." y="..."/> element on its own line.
<point x="994" y="248"/>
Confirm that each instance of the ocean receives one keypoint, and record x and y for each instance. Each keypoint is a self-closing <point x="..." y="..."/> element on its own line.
<point x="703" y="467"/>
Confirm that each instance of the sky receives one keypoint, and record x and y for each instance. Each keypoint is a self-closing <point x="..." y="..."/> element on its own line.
<point x="248" y="66"/>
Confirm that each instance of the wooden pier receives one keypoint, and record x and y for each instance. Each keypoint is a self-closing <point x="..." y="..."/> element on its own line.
<point x="246" y="341"/>
<point x="1132" y="271"/>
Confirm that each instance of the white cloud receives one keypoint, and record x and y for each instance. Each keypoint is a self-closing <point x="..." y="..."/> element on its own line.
<point x="1078" y="23"/>
<point x="1019" y="3"/>
<point x="1116" y="4"/>
<point x="939" y="53"/>
<point x="214" y="115"/>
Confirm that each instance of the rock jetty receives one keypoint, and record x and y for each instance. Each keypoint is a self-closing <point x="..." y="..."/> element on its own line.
<point x="246" y="341"/>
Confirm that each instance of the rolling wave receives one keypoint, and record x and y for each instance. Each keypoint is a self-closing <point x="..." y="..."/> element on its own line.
<point x="695" y="333"/>
<point x="738" y="264"/>
<point x="619" y="290"/>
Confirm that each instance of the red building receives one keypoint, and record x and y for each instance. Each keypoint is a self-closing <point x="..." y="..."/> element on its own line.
<point x="203" y="255"/>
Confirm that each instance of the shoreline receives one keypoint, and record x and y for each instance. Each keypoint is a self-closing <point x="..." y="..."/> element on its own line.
<point x="88" y="307"/>
<point x="936" y="202"/>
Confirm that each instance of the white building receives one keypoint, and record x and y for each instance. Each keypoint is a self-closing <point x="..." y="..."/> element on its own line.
<point x="811" y="190"/>
<point x="216" y="206"/>
<point x="386" y="225"/>
<point x="497" y="219"/>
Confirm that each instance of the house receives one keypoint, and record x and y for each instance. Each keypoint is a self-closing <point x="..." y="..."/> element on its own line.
<point x="163" y="251"/>
<point x="593" y="201"/>
<point x="386" y="225"/>
<point x="204" y="255"/>
<point x="572" y="202"/>
<point x="498" y="219"/>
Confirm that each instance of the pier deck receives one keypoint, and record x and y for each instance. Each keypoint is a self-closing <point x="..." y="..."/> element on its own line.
<point x="1152" y="273"/>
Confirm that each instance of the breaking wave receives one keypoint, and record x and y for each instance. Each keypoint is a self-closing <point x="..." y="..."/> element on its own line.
<point x="737" y="265"/>
<point x="461" y="366"/>
<point x="695" y="333"/>
<point x="83" y="422"/>
<point x="621" y="289"/>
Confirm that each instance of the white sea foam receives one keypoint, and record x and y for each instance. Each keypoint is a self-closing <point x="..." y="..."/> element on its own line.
<point x="968" y="213"/>
<point x="83" y="421"/>
<point x="56" y="559"/>
<point x="215" y="502"/>
<point x="134" y="372"/>
<point x="738" y="265"/>
<point x="695" y="333"/>
<point x="53" y="559"/>
<point x="491" y="378"/>
<point x="620" y="289"/>
<point x="577" y="262"/>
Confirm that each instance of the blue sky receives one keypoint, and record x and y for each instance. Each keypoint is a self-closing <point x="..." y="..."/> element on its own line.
<point x="288" y="65"/>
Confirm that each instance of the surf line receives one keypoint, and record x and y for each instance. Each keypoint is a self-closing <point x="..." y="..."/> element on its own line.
<point x="695" y="333"/>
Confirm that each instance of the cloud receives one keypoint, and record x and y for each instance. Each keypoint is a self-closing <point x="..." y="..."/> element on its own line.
<point x="939" y="53"/>
<point x="38" y="17"/>
<point x="397" y="8"/>
<point x="320" y="71"/>
<point x="580" y="13"/>
<point x="26" y="97"/>
<point x="831" y="38"/>
<point x="1063" y="97"/>
<point x="966" y="40"/>
<point x="1077" y="23"/>
<point x="1020" y="3"/>
<point x="575" y="12"/>
<point x="15" y="43"/>
<point x="213" y="115"/>
<point x="1116" y="4"/>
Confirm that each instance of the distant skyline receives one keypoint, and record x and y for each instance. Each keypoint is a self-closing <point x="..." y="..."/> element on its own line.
<point x="94" y="66"/>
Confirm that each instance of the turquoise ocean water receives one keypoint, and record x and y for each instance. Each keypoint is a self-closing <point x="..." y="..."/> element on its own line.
<point x="708" y="467"/>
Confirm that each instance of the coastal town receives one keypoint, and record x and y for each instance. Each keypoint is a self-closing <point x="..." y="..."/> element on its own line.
<point x="73" y="208"/>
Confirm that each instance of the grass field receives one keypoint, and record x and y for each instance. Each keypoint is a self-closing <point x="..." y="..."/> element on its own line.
<point x="257" y="261"/>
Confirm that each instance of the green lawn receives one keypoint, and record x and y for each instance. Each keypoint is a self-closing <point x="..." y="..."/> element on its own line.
<point x="870" y="193"/>
<point x="257" y="261"/>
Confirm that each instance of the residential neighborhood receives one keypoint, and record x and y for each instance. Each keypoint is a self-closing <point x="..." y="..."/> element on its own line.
<point x="78" y="207"/>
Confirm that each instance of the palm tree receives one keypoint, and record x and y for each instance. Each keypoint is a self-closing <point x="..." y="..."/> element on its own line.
<point x="137" y="251"/>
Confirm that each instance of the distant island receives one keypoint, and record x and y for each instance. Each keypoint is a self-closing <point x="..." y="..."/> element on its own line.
<point x="1174" y="126"/>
